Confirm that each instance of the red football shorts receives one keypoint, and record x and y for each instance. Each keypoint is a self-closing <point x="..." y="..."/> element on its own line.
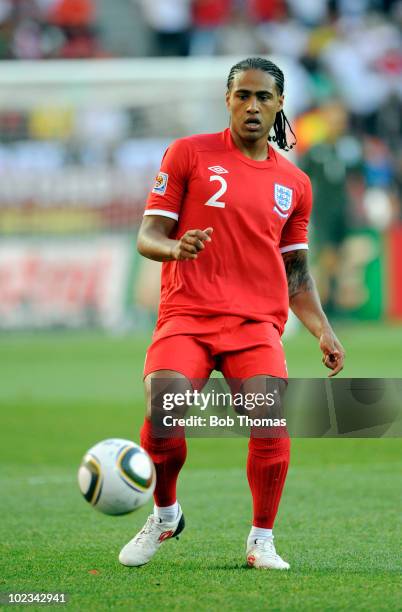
<point x="196" y="345"/>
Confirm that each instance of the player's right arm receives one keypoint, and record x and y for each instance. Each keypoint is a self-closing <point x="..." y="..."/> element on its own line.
<point x="154" y="240"/>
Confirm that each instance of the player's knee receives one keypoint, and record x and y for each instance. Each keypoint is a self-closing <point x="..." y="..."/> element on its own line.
<point x="263" y="398"/>
<point x="166" y="393"/>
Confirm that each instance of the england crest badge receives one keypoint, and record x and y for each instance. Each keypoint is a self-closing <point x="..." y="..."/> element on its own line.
<point x="283" y="199"/>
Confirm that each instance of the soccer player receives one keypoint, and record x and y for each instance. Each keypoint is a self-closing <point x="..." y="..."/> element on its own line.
<point x="228" y="216"/>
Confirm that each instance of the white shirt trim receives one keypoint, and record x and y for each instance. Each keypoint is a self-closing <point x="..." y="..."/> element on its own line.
<point x="162" y="213"/>
<point x="294" y="247"/>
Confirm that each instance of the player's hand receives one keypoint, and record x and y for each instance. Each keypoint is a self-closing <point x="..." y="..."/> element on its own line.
<point x="333" y="352"/>
<point x="191" y="243"/>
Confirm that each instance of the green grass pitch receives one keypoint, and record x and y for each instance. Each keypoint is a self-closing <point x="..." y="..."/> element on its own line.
<point x="339" y="523"/>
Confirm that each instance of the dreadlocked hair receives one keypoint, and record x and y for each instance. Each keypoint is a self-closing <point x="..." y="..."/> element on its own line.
<point x="281" y="121"/>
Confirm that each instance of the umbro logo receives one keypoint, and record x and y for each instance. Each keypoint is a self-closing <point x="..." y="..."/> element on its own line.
<point x="218" y="170"/>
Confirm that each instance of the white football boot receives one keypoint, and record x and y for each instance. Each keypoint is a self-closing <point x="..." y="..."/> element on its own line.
<point x="146" y="543"/>
<point x="261" y="554"/>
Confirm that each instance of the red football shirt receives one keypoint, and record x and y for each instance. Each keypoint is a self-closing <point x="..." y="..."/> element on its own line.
<point x="258" y="210"/>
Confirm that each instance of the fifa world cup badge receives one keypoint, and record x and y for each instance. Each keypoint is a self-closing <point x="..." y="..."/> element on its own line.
<point x="161" y="182"/>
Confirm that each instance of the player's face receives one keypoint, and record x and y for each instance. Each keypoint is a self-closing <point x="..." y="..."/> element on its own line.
<point x="253" y="102"/>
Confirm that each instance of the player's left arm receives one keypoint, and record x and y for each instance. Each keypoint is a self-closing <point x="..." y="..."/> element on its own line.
<point x="306" y="304"/>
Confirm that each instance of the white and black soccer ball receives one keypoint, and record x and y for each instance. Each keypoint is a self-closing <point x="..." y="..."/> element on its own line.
<point x="116" y="476"/>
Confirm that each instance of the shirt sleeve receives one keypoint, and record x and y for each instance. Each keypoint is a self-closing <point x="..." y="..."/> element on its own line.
<point x="170" y="185"/>
<point x="295" y="231"/>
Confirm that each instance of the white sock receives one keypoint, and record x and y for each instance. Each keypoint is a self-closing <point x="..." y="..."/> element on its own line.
<point x="259" y="533"/>
<point x="167" y="513"/>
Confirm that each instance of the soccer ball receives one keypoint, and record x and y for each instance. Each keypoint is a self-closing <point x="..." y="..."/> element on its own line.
<point x="116" y="476"/>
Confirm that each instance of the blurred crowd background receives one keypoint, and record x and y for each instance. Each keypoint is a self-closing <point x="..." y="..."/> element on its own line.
<point x="72" y="169"/>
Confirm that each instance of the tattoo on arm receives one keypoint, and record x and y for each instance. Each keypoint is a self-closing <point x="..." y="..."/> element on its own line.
<point x="299" y="278"/>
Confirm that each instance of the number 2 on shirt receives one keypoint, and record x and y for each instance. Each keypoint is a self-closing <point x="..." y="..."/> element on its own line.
<point x="214" y="200"/>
